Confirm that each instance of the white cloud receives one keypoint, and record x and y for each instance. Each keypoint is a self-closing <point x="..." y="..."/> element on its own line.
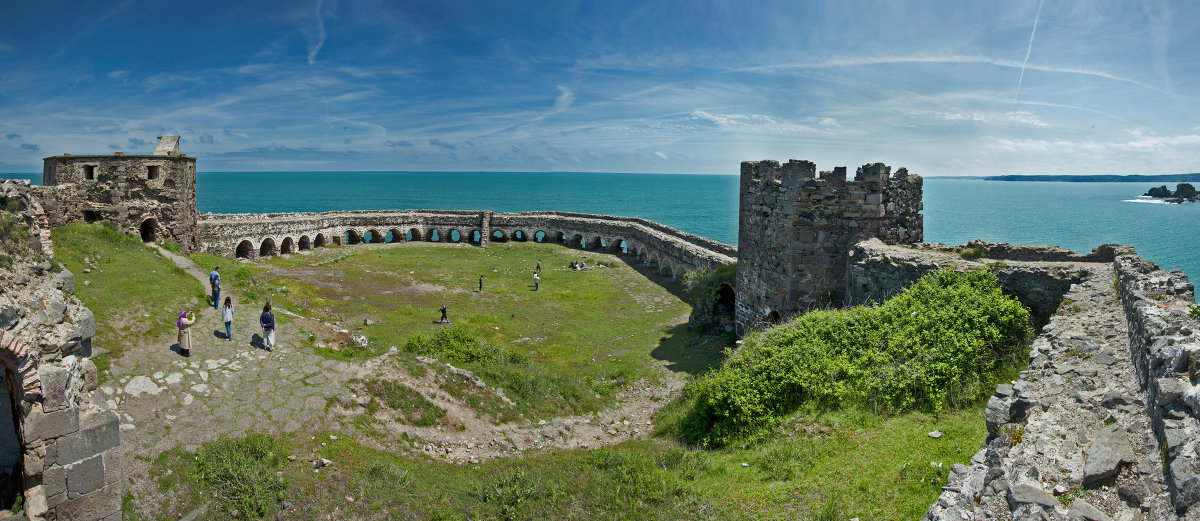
<point x="1020" y="117"/>
<point x="564" y="100"/>
<point x="660" y="155"/>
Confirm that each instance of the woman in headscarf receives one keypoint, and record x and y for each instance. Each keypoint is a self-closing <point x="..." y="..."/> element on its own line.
<point x="185" y="333"/>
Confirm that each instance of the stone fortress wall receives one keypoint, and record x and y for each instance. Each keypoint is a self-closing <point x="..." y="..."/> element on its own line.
<point x="1119" y="375"/>
<point x="62" y="446"/>
<point x="258" y="235"/>
<point x="149" y="195"/>
<point x="795" y="231"/>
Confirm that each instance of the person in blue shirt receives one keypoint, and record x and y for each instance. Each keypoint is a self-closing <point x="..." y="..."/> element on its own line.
<point x="214" y="279"/>
<point x="267" y="321"/>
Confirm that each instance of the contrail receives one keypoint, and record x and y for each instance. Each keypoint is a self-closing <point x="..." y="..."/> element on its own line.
<point x="1028" y="51"/>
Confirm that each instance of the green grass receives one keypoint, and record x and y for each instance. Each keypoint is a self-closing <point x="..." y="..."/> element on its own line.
<point x="844" y="465"/>
<point x="594" y="332"/>
<point x="413" y="408"/>
<point x="135" y="293"/>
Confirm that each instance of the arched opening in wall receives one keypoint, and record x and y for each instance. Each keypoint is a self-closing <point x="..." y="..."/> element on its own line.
<point x="725" y="299"/>
<point x="267" y="248"/>
<point x="498" y="236"/>
<point x="598" y="242"/>
<point x="147" y="229"/>
<point x="352" y="237"/>
<point x="434" y="236"/>
<point x="305" y="243"/>
<point x="455" y="236"/>
<point x="519" y="236"/>
<point x="375" y="237"/>
<point x="412" y="235"/>
<point x="539" y="236"/>
<point x="319" y="242"/>
<point x="287" y="246"/>
<point x="11" y="453"/>
<point x="560" y="237"/>
<point x="475" y="237"/>
<point x="245" y="250"/>
<point x="622" y="246"/>
<point x="773" y="318"/>
<point x="90" y="216"/>
<point x="578" y="241"/>
<point x="394" y="235"/>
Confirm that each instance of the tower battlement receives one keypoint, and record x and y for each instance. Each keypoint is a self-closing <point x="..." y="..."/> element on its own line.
<point x="795" y="227"/>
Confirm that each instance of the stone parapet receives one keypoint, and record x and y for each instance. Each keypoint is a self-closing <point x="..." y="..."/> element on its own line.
<point x="253" y="235"/>
<point x="1164" y="340"/>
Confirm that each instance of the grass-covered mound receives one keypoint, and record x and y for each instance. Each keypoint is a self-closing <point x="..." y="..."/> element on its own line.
<point x="945" y="341"/>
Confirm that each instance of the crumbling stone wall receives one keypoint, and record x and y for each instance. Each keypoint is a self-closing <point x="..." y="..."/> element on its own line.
<point x="155" y="193"/>
<point x="795" y="230"/>
<point x="1038" y="276"/>
<point x="1164" y="342"/>
<point x="67" y="439"/>
<point x="252" y="235"/>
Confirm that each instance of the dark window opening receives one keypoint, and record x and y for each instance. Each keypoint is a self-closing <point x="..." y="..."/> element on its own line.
<point x="90" y="216"/>
<point x="152" y="172"/>
<point x="89" y="172"/>
<point x="147" y="230"/>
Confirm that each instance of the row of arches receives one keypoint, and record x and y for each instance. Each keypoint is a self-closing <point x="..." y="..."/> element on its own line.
<point x="267" y="248"/>
<point x="247" y="249"/>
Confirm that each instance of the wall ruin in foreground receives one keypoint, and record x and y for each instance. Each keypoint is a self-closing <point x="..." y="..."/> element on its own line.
<point x="66" y="441"/>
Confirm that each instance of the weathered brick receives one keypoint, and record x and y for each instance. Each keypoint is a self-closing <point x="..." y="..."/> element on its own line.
<point x="85" y="476"/>
<point x="98" y="432"/>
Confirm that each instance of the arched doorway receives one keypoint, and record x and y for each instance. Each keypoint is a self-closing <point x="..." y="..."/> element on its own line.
<point x="244" y="250"/>
<point x="455" y="236"/>
<point x="147" y="229"/>
<point x="725" y="300"/>
<point x="11" y="484"/>
<point x="773" y="318"/>
<point x="319" y="242"/>
<point x="304" y="243"/>
<point x="287" y="246"/>
<point x="268" y="248"/>
<point x="539" y="236"/>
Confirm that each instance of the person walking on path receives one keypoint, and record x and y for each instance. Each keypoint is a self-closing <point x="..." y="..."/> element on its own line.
<point x="214" y="280"/>
<point x="267" y="321"/>
<point x="443" y="319"/>
<point x="481" y="283"/>
<point x="536" y="279"/>
<point x="227" y="318"/>
<point x="185" y="333"/>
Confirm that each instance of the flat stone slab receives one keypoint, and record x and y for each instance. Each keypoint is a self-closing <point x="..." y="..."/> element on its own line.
<point x="1109" y="451"/>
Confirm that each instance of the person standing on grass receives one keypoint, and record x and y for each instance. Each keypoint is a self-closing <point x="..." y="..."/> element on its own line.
<point x="267" y="321"/>
<point x="481" y="283"/>
<point x="539" y="266"/>
<point x="185" y="333"/>
<point x="227" y="318"/>
<point x="443" y="313"/>
<point x="214" y="280"/>
<point x="536" y="280"/>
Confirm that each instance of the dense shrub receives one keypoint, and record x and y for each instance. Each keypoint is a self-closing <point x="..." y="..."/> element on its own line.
<point x="702" y="290"/>
<point x="945" y="341"/>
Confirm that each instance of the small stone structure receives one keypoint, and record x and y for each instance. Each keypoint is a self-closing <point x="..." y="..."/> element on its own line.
<point x="59" y="444"/>
<point x="153" y="196"/>
<point x="795" y="231"/>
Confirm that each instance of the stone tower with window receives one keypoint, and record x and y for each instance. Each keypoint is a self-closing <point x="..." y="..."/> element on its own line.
<point x="795" y="230"/>
<point x="153" y="196"/>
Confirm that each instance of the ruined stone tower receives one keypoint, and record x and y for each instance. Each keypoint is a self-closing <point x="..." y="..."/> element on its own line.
<point x="153" y="196"/>
<point x="794" y="231"/>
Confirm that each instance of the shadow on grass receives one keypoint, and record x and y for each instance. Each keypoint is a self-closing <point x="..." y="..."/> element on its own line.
<point x="690" y="351"/>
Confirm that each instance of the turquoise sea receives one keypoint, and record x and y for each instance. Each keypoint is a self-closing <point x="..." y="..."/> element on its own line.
<point x="1076" y="216"/>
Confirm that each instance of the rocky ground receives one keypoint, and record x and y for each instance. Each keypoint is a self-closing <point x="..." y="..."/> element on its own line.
<point x="1071" y="438"/>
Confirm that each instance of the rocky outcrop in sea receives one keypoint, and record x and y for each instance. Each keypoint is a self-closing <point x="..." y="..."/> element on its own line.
<point x="1184" y="193"/>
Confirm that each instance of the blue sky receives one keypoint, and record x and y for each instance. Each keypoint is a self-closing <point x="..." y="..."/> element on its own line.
<point x="944" y="88"/>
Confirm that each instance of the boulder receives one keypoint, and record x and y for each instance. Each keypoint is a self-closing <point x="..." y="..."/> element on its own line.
<point x="1109" y="451"/>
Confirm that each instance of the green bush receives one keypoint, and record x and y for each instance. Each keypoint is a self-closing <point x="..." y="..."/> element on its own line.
<point x="945" y="341"/>
<point x="242" y="473"/>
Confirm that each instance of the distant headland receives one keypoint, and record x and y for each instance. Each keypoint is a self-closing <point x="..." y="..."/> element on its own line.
<point x="1105" y="178"/>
